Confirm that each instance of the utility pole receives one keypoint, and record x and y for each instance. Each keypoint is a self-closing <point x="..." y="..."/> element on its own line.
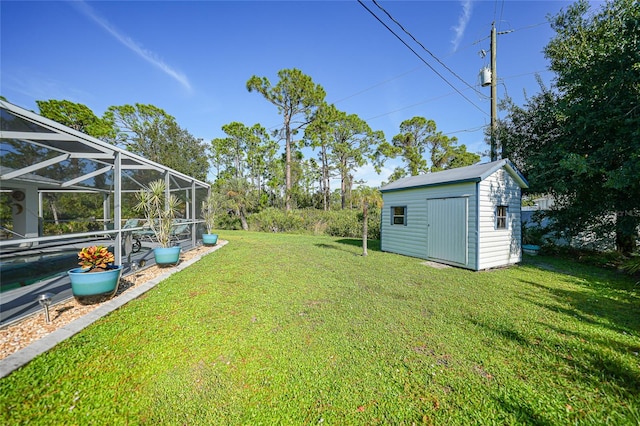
<point x="494" y="94"/>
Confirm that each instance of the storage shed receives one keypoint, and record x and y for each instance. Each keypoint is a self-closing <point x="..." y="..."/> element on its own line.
<point x="467" y="217"/>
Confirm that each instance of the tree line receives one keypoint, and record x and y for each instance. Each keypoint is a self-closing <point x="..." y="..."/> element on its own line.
<point x="579" y="140"/>
<point x="253" y="168"/>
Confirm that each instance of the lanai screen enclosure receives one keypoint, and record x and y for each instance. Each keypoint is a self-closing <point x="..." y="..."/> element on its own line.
<point x="467" y="217"/>
<point x="42" y="160"/>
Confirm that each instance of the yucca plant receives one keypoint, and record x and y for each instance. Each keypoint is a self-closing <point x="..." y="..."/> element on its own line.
<point x="209" y="209"/>
<point x="158" y="209"/>
<point x="95" y="258"/>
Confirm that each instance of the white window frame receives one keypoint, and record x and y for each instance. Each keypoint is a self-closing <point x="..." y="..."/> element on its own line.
<point x="502" y="221"/>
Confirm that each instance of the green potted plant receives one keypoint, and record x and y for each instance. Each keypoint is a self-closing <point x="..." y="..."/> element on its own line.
<point x="208" y="212"/>
<point x="160" y="210"/>
<point x="532" y="239"/>
<point x="97" y="278"/>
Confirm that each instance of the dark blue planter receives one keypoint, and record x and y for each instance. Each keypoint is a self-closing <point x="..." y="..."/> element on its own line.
<point x="92" y="287"/>
<point x="209" y="239"/>
<point x="167" y="255"/>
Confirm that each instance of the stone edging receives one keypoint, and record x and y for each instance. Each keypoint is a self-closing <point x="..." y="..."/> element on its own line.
<point x="40" y="346"/>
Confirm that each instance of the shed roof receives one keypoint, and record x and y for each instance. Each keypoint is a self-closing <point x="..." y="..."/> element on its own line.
<point x="475" y="173"/>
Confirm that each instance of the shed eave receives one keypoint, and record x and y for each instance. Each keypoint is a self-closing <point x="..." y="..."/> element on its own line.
<point x="511" y="169"/>
<point x="429" y="185"/>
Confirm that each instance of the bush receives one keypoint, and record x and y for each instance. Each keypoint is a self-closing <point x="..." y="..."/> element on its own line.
<point x="338" y="223"/>
<point x="71" y="227"/>
<point x="275" y="220"/>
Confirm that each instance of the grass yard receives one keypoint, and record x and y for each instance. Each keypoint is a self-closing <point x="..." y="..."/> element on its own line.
<point x="290" y="329"/>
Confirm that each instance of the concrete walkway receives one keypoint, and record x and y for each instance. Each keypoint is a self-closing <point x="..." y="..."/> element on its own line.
<point x="24" y="356"/>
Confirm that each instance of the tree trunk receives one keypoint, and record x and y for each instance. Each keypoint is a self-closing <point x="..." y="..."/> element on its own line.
<point x="626" y="231"/>
<point x="343" y="185"/>
<point x="54" y="211"/>
<point x="325" y="179"/>
<point x="243" y="219"/>
<point x="365" y="228"/>
<point x="287" y="174"/>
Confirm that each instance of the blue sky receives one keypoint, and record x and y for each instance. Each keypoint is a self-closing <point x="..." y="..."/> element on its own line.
<point x="193" y="58"/>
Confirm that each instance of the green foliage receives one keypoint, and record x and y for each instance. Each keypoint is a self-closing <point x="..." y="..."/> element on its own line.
<point x="245" y="152"/>
<point x="159" y="209"/>
<point x="238" y="197"/>
<point x="581" y="144"/>
<point x="78" y="117"/>
<point x="418" y="137"/>
<point x="70" y="227"/>
<point x="346" y="142"/>
<point x="290" y="329"/>
<point x="277" y="220"/>
<point x="532" y="234"/>
<point x="151" y="132"/>
<point x="339" y="223"/>
<point x="297" y="97"/>
<point x="632" y="265"/>
<point x="412" y="142"/>
<point x="5" y="208"/>
<point x="210" y="208"/>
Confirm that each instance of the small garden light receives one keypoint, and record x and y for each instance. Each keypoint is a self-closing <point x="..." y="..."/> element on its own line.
<point x="45" y="301"/>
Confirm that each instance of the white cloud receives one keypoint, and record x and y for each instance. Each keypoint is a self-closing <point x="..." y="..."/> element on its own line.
<point x="145" y="54"/>
<point x="463" y="20"/>
<point x="371" y="177"/>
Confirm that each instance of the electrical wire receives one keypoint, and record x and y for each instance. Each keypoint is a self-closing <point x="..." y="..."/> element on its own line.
<point x="424" y="48"/>
<point x="376" y="85"/>
<point x="422" y="59"/>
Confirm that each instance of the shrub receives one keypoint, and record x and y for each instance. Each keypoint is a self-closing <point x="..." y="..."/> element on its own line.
<point x="338" y="223"/>
<point x="276" y="220"/>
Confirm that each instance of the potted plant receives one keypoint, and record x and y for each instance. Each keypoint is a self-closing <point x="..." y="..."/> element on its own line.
<point x="160" y="210"/>
<point x="98" y="278"/>
<point x="532" y="238"/>
<point x="208" y="212"/>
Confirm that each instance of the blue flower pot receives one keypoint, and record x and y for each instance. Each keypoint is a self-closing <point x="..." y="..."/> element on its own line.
<point x="93" y="287"/>
<point x="209" y="239"/>
<point x="531" y="249"/>
<point x="167" y="255"/>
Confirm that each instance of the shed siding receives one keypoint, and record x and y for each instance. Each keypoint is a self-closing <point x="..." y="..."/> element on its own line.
<point x="411" y="240"/>
<point x="499" y="247"/>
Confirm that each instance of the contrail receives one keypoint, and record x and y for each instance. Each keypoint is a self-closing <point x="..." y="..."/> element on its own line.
<point x="145" y="54"/>
<point x="463" y="20"/>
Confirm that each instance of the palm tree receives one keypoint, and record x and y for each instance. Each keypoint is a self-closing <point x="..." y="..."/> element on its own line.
<point x="240" y="198"/>
<point x="367" y="196"/>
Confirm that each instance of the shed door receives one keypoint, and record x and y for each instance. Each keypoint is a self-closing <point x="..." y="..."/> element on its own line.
<point x="447" y="227"/>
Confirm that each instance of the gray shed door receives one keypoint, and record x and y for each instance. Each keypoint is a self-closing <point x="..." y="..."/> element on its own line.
<point x="447" y="227"/>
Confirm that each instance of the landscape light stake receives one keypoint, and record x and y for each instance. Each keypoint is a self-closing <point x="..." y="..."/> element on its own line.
<point x="45" y="301"/>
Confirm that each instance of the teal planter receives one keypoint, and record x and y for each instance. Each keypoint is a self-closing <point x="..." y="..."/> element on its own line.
<point x="167" y="255"/>
<point x="209" y="239"/>
<point x="93" y="287"/>
<point x="531" y="249"/>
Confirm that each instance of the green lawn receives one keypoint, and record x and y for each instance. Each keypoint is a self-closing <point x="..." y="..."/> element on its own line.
<point x="289" y="329"/>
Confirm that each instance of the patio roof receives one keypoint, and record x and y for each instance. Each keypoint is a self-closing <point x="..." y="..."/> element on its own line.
<point x="38" y="155"/>
<point x="32" y="144"/>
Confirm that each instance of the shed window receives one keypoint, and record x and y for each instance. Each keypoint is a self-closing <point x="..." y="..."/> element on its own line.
<point x="399" y="215"/>
<point x="501" y="217"/>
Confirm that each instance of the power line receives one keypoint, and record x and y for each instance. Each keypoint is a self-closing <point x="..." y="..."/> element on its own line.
<point x="424" y="48"/>
<point x="472" y="130"/>
<point x="421" y="58"/>
<point x="410" y="106"/>
<point x="377" y="84"/>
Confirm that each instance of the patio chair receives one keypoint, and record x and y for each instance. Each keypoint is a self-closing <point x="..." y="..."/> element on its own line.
<point x="181" y="232"/>
<point x="146" y="234"/>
